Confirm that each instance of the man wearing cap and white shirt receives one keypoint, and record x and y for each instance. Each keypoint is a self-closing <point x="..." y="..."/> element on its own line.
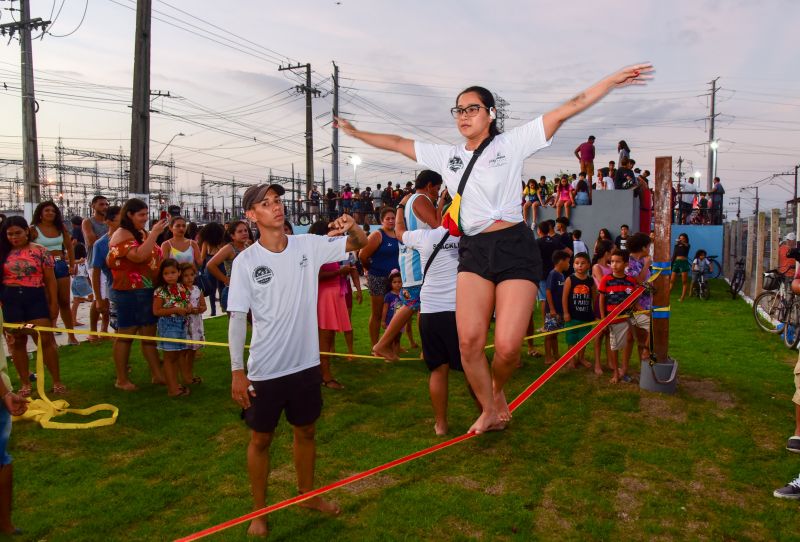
<point x="276" y="279"/>
<point x="437" y="319"/>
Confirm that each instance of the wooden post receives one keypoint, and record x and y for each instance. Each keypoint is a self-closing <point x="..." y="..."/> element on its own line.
<point x="774" y="237"/>
<point x="761" y="239"/>
<point x="661" y="253"/>
<point x="140" y="110"/>
<point x="751" y="243"/>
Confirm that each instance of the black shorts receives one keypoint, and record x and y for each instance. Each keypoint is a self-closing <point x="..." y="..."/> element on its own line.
<point x="501" y="255"/>
<point x="440" y="340"/>
<point x="24" y="304"/>
<point x="299" y="394"/>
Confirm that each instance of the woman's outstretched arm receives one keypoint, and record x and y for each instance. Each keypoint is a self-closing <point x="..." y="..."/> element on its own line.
<point x="387" y="142"/>
<point x="638" y="74"/>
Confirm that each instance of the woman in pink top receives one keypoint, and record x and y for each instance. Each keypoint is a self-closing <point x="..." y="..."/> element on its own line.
<point x="564" y="197"/>
<point x="332" y="315"/>
<point x="30" y="296"/>
<point x="601" y="266"/>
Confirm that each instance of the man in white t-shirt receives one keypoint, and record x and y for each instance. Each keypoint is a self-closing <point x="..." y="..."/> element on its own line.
<point x="437" y="319"/>
<point x="276" y="279"/>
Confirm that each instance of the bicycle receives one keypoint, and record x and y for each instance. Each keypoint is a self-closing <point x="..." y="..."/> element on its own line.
<point x="737" y="281"/>
<point x="714" y="268"/>
<point x="701" y="288"/>
<point x="777" y="307"/>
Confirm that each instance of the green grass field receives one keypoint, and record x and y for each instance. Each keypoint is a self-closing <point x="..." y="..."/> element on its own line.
<point x="582" y="459"/>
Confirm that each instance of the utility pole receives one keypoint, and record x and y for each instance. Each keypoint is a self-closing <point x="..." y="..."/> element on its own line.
<point x="795" y="183"/>
<point x="757" y="200"/>
<point x="680" y="169"/>
<point x="140" y="115"/>
<point x="335" y="141"/>
<point x="30" y="147"/>
<point x="310" y="92"/>
<point x="712" y="143"/>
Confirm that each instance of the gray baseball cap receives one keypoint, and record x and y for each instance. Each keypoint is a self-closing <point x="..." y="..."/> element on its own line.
<point x="258" y="192"/>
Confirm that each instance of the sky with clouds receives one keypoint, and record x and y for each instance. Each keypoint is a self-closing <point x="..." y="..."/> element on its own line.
<point x="401" y="65"/>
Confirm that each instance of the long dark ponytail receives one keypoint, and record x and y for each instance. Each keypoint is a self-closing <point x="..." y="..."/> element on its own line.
<point x="487" y="99"/>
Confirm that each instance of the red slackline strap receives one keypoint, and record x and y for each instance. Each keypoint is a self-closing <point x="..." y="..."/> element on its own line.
<point x="516" y="403"/>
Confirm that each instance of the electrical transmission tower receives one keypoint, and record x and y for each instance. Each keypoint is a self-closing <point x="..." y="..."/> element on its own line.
<point x="29" y="106"/>
<point x="501" y="105"/>
<point x="310" y="93"/>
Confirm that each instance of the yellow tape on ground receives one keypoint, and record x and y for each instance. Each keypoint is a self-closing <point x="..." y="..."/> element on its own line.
<point x="43" y="410"/>
<point x="167" y="340"/>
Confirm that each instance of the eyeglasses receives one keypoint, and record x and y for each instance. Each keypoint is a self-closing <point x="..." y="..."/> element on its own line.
<point x="470" y="110"/>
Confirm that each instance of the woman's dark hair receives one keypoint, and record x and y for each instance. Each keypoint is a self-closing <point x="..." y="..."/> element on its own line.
<point x="386" y="210"/>
<point x="607" y="234"/>
<point x="683" y="235"/>
<point x="231" y="229"/>
<point x="174" y="218"/>
<point x="169" y="262"/>
<point x="191" y="230"/>
<point x="5" y="244"/>
<point x="320" y="227"/>
<point x="487" y="99"/>
<point x="132" y="206"/>
<point x="212" y="233"/>
<point x="602" y="248"/>
<point x="637" y="242"/>
<point x="58" y="221"/>
<point x="287" y="224"/>
<point x="582" y="186"/>
<point x="80" y="251"/>
<point x="622" y="145"/>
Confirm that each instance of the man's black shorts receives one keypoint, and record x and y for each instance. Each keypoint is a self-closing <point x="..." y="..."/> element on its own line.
<point x="440" y="340"/>
<point x="511" y="253"/>
<point x="299" y="394"/>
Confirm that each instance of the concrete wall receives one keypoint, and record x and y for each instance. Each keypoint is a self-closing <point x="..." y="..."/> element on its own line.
<point x="709" y="238"/>
<point x="609" y="209"/>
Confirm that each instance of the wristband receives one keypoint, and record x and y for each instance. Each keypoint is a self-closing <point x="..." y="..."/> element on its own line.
<point x="401" y="206"/>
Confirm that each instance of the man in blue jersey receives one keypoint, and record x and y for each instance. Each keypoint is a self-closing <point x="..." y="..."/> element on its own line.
<point x="419" y="213"/>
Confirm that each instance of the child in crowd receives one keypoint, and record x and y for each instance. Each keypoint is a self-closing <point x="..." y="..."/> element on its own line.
<point x="601" y="266"/>
<point x="81" y="287"/>
<point x="700" y="266"/>
<point x="638" y="268"/>
<point x="554" y="316"/>
<point x="622" y="239"/>
<point x="578" y="246"/>
<point x="578" y="299"/>
<point x="391" y="303"/>
<point x="564" y="197"/>
<point x="194" y="323"/>
<point x="614" y="290"/>
<point x="171" y="305"/>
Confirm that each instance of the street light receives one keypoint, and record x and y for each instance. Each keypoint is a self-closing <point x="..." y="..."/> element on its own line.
<point x="356" y="161"/>
<point x="167" y="145"/>
<point x="714" y="145"/>
<point x="697" y="175"/>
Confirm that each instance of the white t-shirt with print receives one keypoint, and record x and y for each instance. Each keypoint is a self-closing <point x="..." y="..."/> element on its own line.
<point x="438" y="292"/>
<point x="280" y="288"/>
<point x="492" y="191"/>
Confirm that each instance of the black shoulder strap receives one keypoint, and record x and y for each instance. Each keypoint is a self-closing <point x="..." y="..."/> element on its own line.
<point x="433" y="255"/>
<point x="475" y="155"/>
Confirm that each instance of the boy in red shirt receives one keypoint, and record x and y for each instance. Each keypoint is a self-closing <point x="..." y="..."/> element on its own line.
<point x="614" y="289"/>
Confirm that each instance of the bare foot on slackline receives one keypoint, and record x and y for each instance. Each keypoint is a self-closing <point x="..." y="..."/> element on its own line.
<point x="321" y="505"/>
<point x="385" y="353"/>
<point x="258" y="527"/>
<point x="440" y="430"/>
<point x="502" y="407"/>
<point x="487" y="422"/>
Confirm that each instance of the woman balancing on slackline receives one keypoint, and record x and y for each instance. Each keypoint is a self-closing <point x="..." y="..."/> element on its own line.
<point x="499" y="264"/>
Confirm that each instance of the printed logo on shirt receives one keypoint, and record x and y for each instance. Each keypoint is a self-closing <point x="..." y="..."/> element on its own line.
<point x="332" y="239"/>
<point x="303" y="262"/>
<point x="455" y="164"/>
<point x="499" y="160"/>
<point x="263" y="275"/>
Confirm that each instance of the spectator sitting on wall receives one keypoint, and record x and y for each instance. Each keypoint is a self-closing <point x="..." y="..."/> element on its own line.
<point x="624" y="177"/>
